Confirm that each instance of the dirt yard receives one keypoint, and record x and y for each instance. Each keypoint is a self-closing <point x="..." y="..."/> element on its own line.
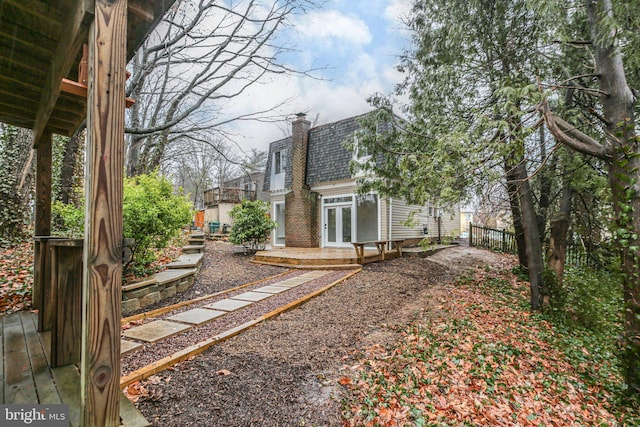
<point x="285" y="372"/>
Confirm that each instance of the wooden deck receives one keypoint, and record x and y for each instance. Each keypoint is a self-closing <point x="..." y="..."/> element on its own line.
<point x="315" y="257"/>
<point x="27" y="376"/>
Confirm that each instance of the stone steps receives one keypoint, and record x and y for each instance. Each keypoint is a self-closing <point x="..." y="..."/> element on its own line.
<point x="178" y="277"/>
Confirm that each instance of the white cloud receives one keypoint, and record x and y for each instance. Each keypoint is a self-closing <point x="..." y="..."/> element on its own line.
<point x="331" y="26"/>
<point x="397" y="10"/>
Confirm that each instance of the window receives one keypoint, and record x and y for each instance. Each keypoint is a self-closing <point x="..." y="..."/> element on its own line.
<point x="279" y="162"/>
<point x="360" y="152"/>
<point x="279" y="233"/>
<point x="278" y="167"/>
<point x="367" y="217"/>
<point x="344" y="199"/>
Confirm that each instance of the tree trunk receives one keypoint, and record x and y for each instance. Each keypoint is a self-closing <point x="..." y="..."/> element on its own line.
<point x="531" y="238"/>
<point x="545" y="187"/>
<point x="16" y="182"/>
<point x="516" y="214"/>
<point x="624" y="175"/>
<point x="69" y="162"/>
<point x="558" y="241"/>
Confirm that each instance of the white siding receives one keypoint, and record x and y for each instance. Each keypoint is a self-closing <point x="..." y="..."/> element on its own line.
<point x="400" y="212"/>
<point x="276" y="198"/>
<point x="336" y="190"/>
<point x="383" y="207"/>
<point x="450" y="220"/>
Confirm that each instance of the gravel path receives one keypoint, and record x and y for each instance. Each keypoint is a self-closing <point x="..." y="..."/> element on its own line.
<point x="155" y="351"/>
<point x="284" y="372"/>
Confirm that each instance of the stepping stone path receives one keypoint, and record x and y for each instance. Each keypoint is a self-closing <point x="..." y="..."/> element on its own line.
<point x="196" y="316"/>
<point x="157" y="330"/>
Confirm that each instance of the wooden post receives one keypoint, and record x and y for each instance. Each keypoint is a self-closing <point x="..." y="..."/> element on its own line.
<point x="470" y="234"/>
<point x="66" y="301"/>
<point x="102" y="275"/>
<point x="42" y="227"/>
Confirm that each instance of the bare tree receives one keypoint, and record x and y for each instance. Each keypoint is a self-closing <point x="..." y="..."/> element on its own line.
<point x="198" y="165"/>
<point x="204" y="54"/>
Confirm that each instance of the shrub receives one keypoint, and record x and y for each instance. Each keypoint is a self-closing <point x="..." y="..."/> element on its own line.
<point x="251" y="224"/>
<point x="67" y="220"/>
<point x="590" y="299"/>
<point x="152" y="215"/>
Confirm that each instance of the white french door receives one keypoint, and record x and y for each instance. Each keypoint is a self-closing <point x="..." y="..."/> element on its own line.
<point x="338" y="225"/>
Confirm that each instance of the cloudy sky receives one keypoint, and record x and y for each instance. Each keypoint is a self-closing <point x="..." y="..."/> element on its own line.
<point x="353" y="44"/>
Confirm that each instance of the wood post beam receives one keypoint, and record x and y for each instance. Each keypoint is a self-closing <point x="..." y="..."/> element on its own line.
<point x="102" y="276"/>
<point x="79" y="89"/>
<point x="141" y="10"/>
<point x="75" y="33"/>
<point x="43" y="186"/>
<point x="42" y="222"/>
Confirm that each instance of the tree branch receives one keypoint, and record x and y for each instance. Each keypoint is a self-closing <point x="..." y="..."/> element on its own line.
<point x="572" y="137"/>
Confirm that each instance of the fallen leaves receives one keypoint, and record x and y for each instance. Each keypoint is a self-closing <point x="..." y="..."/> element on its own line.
<point x="480" y="363"/>
<point x="135" y="391"/>
<point x="16" y="277"/>
<point x="139" y="390"/>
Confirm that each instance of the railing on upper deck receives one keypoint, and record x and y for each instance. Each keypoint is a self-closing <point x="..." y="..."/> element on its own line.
<point x="218" y="195"/>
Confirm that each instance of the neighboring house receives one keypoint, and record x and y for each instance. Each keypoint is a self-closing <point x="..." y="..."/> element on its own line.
<point x="314" y="197"/>
<point x="466" y="217"/>
<point x="219" y="201"/>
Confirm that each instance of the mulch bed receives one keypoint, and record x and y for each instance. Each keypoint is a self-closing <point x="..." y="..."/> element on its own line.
<point x="285" y="372"/>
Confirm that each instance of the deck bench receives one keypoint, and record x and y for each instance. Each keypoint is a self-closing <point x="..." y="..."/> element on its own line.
<point x="381" y="246"/>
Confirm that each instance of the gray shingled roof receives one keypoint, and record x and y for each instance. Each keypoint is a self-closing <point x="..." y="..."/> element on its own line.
<point x="327" y="158"/>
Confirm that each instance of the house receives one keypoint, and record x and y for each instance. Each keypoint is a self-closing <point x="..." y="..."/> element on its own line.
<point x="220" y="200"/>
<point x="466" y="217"/>
<point x="314" y="198"/>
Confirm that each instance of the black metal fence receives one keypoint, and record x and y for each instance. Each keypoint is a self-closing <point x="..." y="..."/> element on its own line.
<point x="579" y="256"/>
<point x="491" y="238"/>
<point x="505" y="241"/>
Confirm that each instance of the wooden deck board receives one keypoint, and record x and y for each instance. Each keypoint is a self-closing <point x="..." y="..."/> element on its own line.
<point x="45" y="387"/>
<point x="19" y="386"/>
<point x="320" y="257"/>
<point x="129" y="414"/>
<point x="2" y="364"/>
<point x="68" y="381"/>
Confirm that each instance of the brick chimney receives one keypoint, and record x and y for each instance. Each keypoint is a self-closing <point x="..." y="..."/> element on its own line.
<point x="301" y="204"/>
<point x="299" y="145"/>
